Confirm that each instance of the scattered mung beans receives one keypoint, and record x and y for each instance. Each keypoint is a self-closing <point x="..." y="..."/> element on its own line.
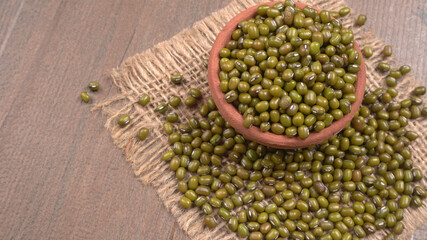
<point x="361" y="179"/>
<point x="266" y="193"/>
<point x="348" y="187"/>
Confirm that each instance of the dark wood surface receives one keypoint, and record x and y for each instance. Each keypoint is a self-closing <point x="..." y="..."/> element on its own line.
<point x="61" y="177"/>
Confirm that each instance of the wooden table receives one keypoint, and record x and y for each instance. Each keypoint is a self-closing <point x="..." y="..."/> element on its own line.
<point x="61" y="177"/>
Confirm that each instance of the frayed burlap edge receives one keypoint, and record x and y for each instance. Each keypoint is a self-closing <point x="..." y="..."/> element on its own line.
<point x="149" y="72"/>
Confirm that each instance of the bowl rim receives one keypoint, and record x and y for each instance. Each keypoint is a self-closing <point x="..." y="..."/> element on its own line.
<point x="231" y="114"/>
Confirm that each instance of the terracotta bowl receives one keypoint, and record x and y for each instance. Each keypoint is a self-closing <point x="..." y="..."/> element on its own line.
<point x="231" y="114"/>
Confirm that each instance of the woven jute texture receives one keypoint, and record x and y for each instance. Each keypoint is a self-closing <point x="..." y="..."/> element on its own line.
<point x="149" y="72"/>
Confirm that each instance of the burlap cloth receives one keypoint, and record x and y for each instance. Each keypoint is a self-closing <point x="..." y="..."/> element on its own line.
<point x="149" y="72"/>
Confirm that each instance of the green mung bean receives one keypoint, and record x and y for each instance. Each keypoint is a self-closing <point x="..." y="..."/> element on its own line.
<point x="361" y="19"/>
<point x="418" y="91"/>
<point x="143" y="133"/>
<point x="174" y="101"/>
<point x="123" y="120"/>
<point x="172" y="117"/>
<point x="176" y="78"/>
<point x="367" y="51"/>
<point x="383" y="67"/>
<point x="344" y="11"/>
<point x="85" y="97"/>
<point x="388" y="50"/>
<point x="162" y="108"/>
<point x="144" y="99"/>
<point x="93" y="86"/>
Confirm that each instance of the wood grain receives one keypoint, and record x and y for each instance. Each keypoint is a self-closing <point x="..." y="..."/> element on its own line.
<point x="61" y="177"/>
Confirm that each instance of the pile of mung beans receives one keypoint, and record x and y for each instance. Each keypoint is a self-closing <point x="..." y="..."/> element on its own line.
<point x="348" y="187"/>
<point x="289" y="70"/>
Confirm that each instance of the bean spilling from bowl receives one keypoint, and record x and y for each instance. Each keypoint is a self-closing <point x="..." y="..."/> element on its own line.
<point x="290" y="71"/>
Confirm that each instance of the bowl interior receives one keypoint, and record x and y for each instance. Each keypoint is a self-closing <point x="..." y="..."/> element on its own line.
<point x="231" y="114"/>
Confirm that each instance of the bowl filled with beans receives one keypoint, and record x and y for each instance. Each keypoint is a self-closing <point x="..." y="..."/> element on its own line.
<point x="286" y="76"/>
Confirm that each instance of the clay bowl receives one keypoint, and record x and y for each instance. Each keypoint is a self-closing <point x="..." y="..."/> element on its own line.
<point x="231" y="114"/>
